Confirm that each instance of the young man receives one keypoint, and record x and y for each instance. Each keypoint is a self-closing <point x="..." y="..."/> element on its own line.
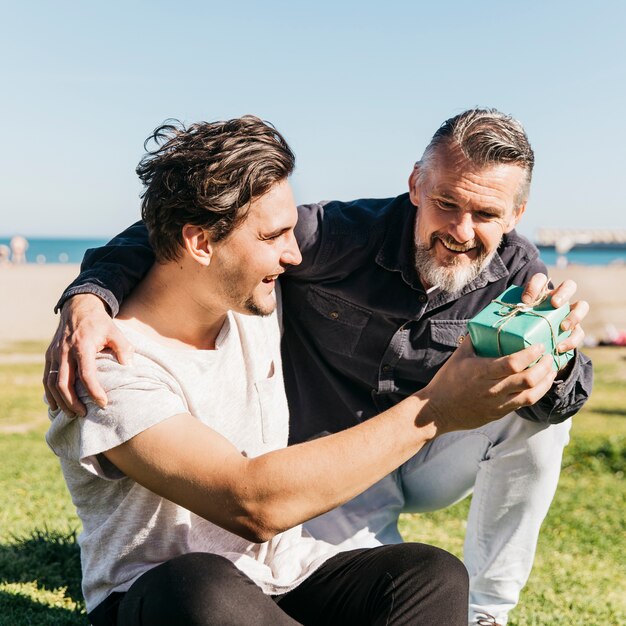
<point x="377" y="306"/>
<point x="190" y="501"/>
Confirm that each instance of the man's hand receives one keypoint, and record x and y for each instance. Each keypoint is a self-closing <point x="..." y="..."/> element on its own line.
<point x="84" y="330"/>
<point x="558" y="297"/>
<point x="470" y="391"/>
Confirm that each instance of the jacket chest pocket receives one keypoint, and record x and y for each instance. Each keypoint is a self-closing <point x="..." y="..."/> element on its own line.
<point x="334" y="323"/>
<point x="445" y="337"/>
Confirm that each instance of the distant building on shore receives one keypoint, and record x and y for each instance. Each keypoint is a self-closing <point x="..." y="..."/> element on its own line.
<point x="564" y="239"/>
<point x="560" y="246"/>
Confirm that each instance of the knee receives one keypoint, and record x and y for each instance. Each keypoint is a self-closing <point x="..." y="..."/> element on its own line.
<point x="200" y="574"/>
<point x="432" y="585"/>
<point x="529" y="449"/>
<point x="545" y="448"/>
<point x="448" y="572"/>
<point x="441" y="570"/>
<point x="191" y="589"/>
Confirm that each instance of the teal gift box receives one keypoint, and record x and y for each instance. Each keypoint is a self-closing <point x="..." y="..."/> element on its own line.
<point x="508" y="325"/>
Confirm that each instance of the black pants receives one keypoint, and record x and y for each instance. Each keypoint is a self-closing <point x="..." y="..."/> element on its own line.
<point x="405" y="584"/>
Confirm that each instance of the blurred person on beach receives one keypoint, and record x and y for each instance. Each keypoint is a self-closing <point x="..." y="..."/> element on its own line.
<point x="5" y="255"/>
<point x="191" y="502"/>
<point x="19" y="245"/>
<point x="376" y="308"/>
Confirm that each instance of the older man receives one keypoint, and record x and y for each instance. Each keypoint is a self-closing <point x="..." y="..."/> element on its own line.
<point x="377" y="306"/>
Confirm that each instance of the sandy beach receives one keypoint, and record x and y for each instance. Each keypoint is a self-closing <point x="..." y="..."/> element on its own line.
<point x="29" y="293"/>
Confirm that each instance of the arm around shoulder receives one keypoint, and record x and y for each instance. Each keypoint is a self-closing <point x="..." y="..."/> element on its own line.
<point x="111" y="271"/>
<point x="85" y="329"/>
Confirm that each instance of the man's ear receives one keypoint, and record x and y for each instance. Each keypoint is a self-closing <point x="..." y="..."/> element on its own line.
<point x="517" y="216"/>
<point x="414" y="181"/>
<point x="198" y="244"/>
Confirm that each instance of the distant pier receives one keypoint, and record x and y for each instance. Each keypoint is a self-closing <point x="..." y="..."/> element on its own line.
<point x="564" y="239"/>
<point x="587" y="246"/>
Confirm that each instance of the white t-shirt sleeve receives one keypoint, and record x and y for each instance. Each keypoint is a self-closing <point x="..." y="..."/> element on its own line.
<point x="139" y="396"/>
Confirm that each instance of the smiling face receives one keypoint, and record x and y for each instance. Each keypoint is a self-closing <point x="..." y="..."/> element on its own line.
<point x="463" y="213"/>
<point x="246" y="264"/>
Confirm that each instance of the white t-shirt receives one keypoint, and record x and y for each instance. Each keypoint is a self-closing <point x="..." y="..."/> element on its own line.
<point x="236" y="389"/>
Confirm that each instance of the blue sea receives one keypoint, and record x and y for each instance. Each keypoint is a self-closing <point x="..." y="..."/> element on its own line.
<point x="72" y="251"/>
<point x="57" y="250"/>
<point x="585" y="256"/>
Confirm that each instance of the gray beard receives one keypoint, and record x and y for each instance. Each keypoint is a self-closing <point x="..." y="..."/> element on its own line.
<point x="449" y="278"/>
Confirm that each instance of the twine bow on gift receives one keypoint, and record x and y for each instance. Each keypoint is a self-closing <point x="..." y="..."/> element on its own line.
<point x="509" y="310"/>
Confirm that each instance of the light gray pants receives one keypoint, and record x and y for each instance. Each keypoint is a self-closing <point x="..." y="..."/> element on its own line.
<point x="512" y="467"/>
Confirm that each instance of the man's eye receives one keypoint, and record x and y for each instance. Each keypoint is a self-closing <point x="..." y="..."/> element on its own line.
<point x="446" y="206"/>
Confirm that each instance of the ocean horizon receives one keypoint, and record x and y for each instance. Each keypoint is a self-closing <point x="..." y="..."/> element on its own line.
<point x="57" y="250"/>
<point x="72" y="249"/>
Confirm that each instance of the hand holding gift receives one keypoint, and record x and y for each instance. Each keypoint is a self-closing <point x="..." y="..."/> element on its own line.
<point x="565" y="292"/>
<point x="519" y="318"/>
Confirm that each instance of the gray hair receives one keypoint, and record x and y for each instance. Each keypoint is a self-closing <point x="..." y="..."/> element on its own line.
<point x="486" y="137"/>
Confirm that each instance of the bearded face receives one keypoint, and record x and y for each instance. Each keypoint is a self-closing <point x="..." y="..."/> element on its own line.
<point x="462" y="212"/>
<point x="452" y="273"/>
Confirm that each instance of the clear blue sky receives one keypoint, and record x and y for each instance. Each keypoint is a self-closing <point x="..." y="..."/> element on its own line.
<point x="358" y="88"/>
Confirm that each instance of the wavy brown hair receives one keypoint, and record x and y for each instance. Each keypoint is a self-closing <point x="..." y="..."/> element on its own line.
<point x="207" y="175"/>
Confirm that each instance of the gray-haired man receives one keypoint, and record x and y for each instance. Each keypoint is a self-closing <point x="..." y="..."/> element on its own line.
<point x="378" y="304"/>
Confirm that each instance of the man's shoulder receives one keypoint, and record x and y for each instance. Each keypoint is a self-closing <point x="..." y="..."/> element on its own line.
<point x="344" y="215"/>
<point x="516" y="250"/>
<point x="140" y="394"/>
<point x="333" y="232"/>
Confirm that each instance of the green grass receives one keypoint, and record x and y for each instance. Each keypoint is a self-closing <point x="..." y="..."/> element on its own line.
<point x="23" y="347"/>
<point x="579" y="576"/>
<point x="21" y="397"/>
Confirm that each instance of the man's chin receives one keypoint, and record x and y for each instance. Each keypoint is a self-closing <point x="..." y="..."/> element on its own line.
<point x="452" y="274"/>
<point x="253" y="306"/>
<point x="458" y="261"/>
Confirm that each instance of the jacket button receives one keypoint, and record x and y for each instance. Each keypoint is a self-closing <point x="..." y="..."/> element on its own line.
<point x="386" y="368"/>
<point x="334" y="315"/>
<point x="423" y="298"/>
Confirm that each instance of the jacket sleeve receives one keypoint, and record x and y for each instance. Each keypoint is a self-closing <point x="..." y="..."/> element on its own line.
<point x="566" y="397"/>
<point x="111" y="272"/>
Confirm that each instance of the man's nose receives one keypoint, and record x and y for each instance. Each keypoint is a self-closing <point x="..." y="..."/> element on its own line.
<point x="291" y="254"/>
<point x="462" y="228"/>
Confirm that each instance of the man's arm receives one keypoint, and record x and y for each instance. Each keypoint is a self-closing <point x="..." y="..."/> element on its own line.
<point x="188" y="463"/>
<point x="108" y="274"/>
<point x="112" y="271"/>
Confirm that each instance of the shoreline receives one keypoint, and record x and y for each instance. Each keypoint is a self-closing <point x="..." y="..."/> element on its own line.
<point x="30" y="291"/>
